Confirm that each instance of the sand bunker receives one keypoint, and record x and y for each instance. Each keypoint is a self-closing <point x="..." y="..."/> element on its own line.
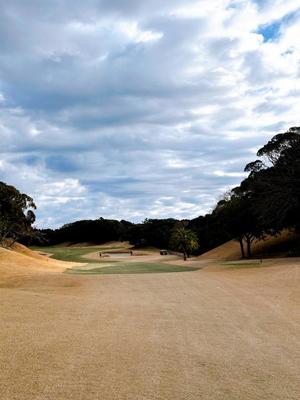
<point x="146" y="255"/>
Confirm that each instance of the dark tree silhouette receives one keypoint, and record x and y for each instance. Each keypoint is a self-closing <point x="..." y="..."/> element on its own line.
<point x="16" y="215"/>
<point x="275" y="183"/>
<point x="239" y="219"/>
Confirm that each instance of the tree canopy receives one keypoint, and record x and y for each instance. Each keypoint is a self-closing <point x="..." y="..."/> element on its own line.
<point x="16" y="215"/>
<point x="268" y="200"/>
<point x="184" y="239"/>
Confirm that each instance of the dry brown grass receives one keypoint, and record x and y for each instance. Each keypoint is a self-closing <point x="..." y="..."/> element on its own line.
<point x="231" y="249"/>
<point x="220" y="333"/>
<point x="20" y="264"/>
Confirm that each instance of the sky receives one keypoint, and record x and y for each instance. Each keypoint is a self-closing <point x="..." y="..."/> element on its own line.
<point x="141" y="108"/>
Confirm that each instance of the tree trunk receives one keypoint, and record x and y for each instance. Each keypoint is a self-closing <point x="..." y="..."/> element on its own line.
<point x="4" y="239"/>
<point x="249" y="254"/>
<point x="13" y="241"/>
<point x="242" y="247"/>
<point x="184" y="255"/>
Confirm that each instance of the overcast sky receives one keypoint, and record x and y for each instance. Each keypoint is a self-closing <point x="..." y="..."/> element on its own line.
<point x="141" y="108"/>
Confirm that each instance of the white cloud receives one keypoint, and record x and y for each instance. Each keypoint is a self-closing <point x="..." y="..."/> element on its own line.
<point x="141" y="108"/>
<point x="230" y="174"/>
<point x="137" y="35"/>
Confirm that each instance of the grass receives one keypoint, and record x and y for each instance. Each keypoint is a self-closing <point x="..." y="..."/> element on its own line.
<point x="103" y="266"/>
<point x="74" y="254"/>
<point x="241" y="264"/>
<point x="130" y="268"/>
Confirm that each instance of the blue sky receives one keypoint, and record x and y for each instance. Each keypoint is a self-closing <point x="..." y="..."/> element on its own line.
<point x="271" y="31"/>
<point x="141" y="108"/>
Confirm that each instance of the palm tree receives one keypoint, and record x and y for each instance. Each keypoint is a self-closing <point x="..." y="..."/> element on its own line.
<point x="184" y="239"/>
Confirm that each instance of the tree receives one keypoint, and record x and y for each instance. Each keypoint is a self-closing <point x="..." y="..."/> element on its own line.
<point x="239" y="218"/>
<point x="184" y="239"/>
<point x="157" y="231"/>
<point x="274" y="183"/>
<point x="16" y="215"/>
<point x="210" y="231"/>
<point x="280" y="145"/>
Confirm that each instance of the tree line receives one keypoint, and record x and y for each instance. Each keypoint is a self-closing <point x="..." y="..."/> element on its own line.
<point x="266" y="201"/>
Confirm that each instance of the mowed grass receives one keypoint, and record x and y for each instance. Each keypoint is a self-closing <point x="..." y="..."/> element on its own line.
<point x="245" y="264"/>
<point x="103" y="266"/>
<point x="74" y="254"/>
<point x="130" y="268"/>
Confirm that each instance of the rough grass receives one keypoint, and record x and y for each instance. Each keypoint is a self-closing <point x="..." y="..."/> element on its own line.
<point x="130" y="268"/>
<point x="74" y="254"/>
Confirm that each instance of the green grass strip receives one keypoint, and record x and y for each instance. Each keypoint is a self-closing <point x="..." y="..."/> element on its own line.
<point x="130" y="268"/>
<point x="75" y="254"/>
<point x="244" y="264"/>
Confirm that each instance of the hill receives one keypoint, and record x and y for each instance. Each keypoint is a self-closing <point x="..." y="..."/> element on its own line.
<point x="272" y="246"/>
<point x="21" y="262"/>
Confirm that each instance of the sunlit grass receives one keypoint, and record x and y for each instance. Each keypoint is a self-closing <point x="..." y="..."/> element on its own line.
<point x="130" y="268"/>
<point x="75" y="254"/>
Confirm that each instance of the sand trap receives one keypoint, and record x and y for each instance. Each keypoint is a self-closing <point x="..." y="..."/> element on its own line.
<point x="146" y="255"/>
<point x="117" y="255"/>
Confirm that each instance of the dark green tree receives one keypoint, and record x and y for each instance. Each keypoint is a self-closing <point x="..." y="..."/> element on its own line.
<point x="236" y="214"/>
<point x="274" y="181"/>
<point x="16" y="215"/>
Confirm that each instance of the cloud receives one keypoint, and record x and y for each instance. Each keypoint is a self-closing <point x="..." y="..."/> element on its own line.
<point x="141" y="109"/>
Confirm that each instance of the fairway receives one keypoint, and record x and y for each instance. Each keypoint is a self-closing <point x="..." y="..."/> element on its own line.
<point x="143" y="262"/>
<point x="73" y="254"/>
<point x="96" y="332"/>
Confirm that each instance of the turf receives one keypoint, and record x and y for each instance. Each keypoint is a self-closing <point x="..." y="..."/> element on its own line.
<point x="256" y="264"/>
<point x="73" y="254"/>
<point x="130" y="268"/>
<point x="104" y="267"/>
